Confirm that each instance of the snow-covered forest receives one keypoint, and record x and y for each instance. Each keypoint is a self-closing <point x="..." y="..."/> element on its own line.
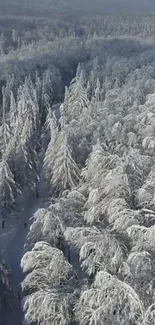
<point x="77" y="166"/>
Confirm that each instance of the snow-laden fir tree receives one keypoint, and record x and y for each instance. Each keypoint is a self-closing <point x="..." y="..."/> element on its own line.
<point x="98" y="250"/>
<point x="49" y="286"/>
<point x="22" y="148"/>
<point x="138" y="272"/>
<point x="66" y="173"/>
<point x="75" y="98"/>
<point x="62" y="171"/>
<point x="46" y="226"/>
<point x="9" y="190"/>
<point x="109" y="301"/>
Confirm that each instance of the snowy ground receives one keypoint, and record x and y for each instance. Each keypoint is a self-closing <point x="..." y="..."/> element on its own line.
<point x="12" y="240"/>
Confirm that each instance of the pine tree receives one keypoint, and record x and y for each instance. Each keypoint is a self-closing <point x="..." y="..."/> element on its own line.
<point x="75" y="98"/>
<point x="47" y="227"/>
<point x="66" y="174"/>
<point x="109" y="301"/>
<point x="8" y="190"/>
<point x="98" y="250"/>
<point x="48" y="286"/>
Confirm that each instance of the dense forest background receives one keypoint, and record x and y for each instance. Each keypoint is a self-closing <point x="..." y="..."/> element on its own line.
<point x="48" y="7"/>
<point x="77" y="136"/>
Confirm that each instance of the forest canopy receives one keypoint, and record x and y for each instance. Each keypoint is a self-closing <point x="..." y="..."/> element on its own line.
<point x="77" y="162"/>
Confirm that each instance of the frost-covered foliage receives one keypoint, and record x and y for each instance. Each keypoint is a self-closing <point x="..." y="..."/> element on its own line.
<point x="116" y="157"/>
<point x="20" y="131"/>
<point x="8" y="189"/>
<point x="47" y="307"/>
<point x="61" y="170"/>
<point x="46" y="226"/>
<point x="43" y="256"/>
<point x="142" y="237"/>
<point x="109" y="301"/>
<point x="48" y="285"/>
<point x="97" y="151"/>
<point x="139" y="272"/>
<point x="99" y="250"/>
<point x="76" y="98"/>
<point x="70" y="207"/>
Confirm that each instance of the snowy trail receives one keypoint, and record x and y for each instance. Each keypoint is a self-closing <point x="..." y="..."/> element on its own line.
<point x="12" y="241"/>
<point x="12" y="245"/>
